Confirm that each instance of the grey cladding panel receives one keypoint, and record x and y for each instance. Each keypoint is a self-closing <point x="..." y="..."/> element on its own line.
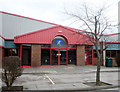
<point x="111" y="38"/>
<point x="14" y="25"/>
<point x="0" y="23"/>
<point x="1" y="40"/>
<point x="119" y="19"/>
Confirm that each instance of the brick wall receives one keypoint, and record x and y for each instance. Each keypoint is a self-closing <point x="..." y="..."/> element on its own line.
<point x="0" y="57"/>
<point x="80" y="55"/>
<point x="36" y="55"/>
<point x="95" y="61"/>
<point x="114" y="63"/>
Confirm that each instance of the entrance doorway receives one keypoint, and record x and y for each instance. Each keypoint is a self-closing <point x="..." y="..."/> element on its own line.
<point x="26" y="54"/>
<point x="88" y="57"/>
<point x="63" y="57"/>
<point x="55" y="57"/>
<point x="59" y="57"/>
<point x="59" y="53"/>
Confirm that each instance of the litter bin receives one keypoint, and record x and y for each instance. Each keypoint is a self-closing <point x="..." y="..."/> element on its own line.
<point x="108" y="62"/>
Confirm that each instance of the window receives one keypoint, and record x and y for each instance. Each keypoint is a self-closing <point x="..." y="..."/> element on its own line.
<point x="88" y="47"/>
<point x="112" y="53"/>
<point x="26" y="56"/>
<point x="71" y="46"/>
<point x="88" y="57"/>
<point x="95" y="53"/>
<point x="45" y="56"/>
<point x="118" y="53"/>
<point x="72" y="56"/>
<point x="108" y="53"/>
<point x="11" y="52"/>
<point x="45" y="45"/>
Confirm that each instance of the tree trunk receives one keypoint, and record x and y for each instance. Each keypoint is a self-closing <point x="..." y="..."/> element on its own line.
<point x="98" y="72"/>
<point x="6" y="78"/>
<point x="98" y="66"/>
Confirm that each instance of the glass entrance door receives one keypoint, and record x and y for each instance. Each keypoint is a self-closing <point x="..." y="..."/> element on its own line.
<point x="54" y="57"/>
<point x="26" y="54"/>
<point x="58" y="57"/>
<point x="62" y="57"/>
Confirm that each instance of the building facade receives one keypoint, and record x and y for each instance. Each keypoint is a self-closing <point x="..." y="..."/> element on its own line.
<point x="39" y="43"/>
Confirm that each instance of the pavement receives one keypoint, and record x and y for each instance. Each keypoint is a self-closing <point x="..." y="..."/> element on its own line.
<point x="68" y="78"/>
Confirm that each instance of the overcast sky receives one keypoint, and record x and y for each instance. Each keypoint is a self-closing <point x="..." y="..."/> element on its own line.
<point x="52" y="10"/>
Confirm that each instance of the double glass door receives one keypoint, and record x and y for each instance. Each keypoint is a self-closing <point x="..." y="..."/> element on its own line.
<point x="59" y="57"/>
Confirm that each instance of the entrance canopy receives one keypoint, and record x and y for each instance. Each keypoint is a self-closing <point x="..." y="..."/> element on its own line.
<point x="49" y="36"/>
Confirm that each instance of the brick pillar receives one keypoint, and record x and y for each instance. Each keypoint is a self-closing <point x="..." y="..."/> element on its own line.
<point x="80" y="55"/>
<point x="36" y="55"/>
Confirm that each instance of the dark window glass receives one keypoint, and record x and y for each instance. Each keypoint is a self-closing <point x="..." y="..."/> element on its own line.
<point x="26" y="56"/>
<point x="11" y="52"/>
<point x="45" y="56"/>
<point x="63" y="57"/>
<point x="118" y="53"/>
<point x="88" y="47"/>
<point x="71" y="46"/>
<point x="108" y="53"/>
<point x="45" y="45"/>
<point x="54" y="57"/>
<point x="7" y="52"/>
<point x="72" y="56"/>
<point x="95" y="54"/>
<point x="88" y="57"/>
<point x="14" y="52"/>
<point x="113" y="53"/>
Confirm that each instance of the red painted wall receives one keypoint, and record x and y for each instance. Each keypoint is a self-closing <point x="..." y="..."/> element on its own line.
<point x="46" y="36"/>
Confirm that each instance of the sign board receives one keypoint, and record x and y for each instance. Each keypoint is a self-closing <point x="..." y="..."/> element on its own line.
<point x="10" y="44"/>
<point x="59" y="42"/>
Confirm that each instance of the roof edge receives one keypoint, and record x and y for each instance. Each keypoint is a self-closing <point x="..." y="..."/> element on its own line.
<point x="2" y="37"/>
<point x="111" y="34"/>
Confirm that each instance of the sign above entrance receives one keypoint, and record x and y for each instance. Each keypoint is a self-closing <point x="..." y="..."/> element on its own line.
<point x="59" y="42"/>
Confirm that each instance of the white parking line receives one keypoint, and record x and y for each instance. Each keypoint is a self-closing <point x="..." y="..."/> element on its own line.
<point x="49" y="79"/>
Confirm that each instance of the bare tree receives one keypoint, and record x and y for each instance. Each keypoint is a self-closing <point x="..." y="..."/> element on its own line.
<point x="11" y="70"/>
<point x="96" y="23"/>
